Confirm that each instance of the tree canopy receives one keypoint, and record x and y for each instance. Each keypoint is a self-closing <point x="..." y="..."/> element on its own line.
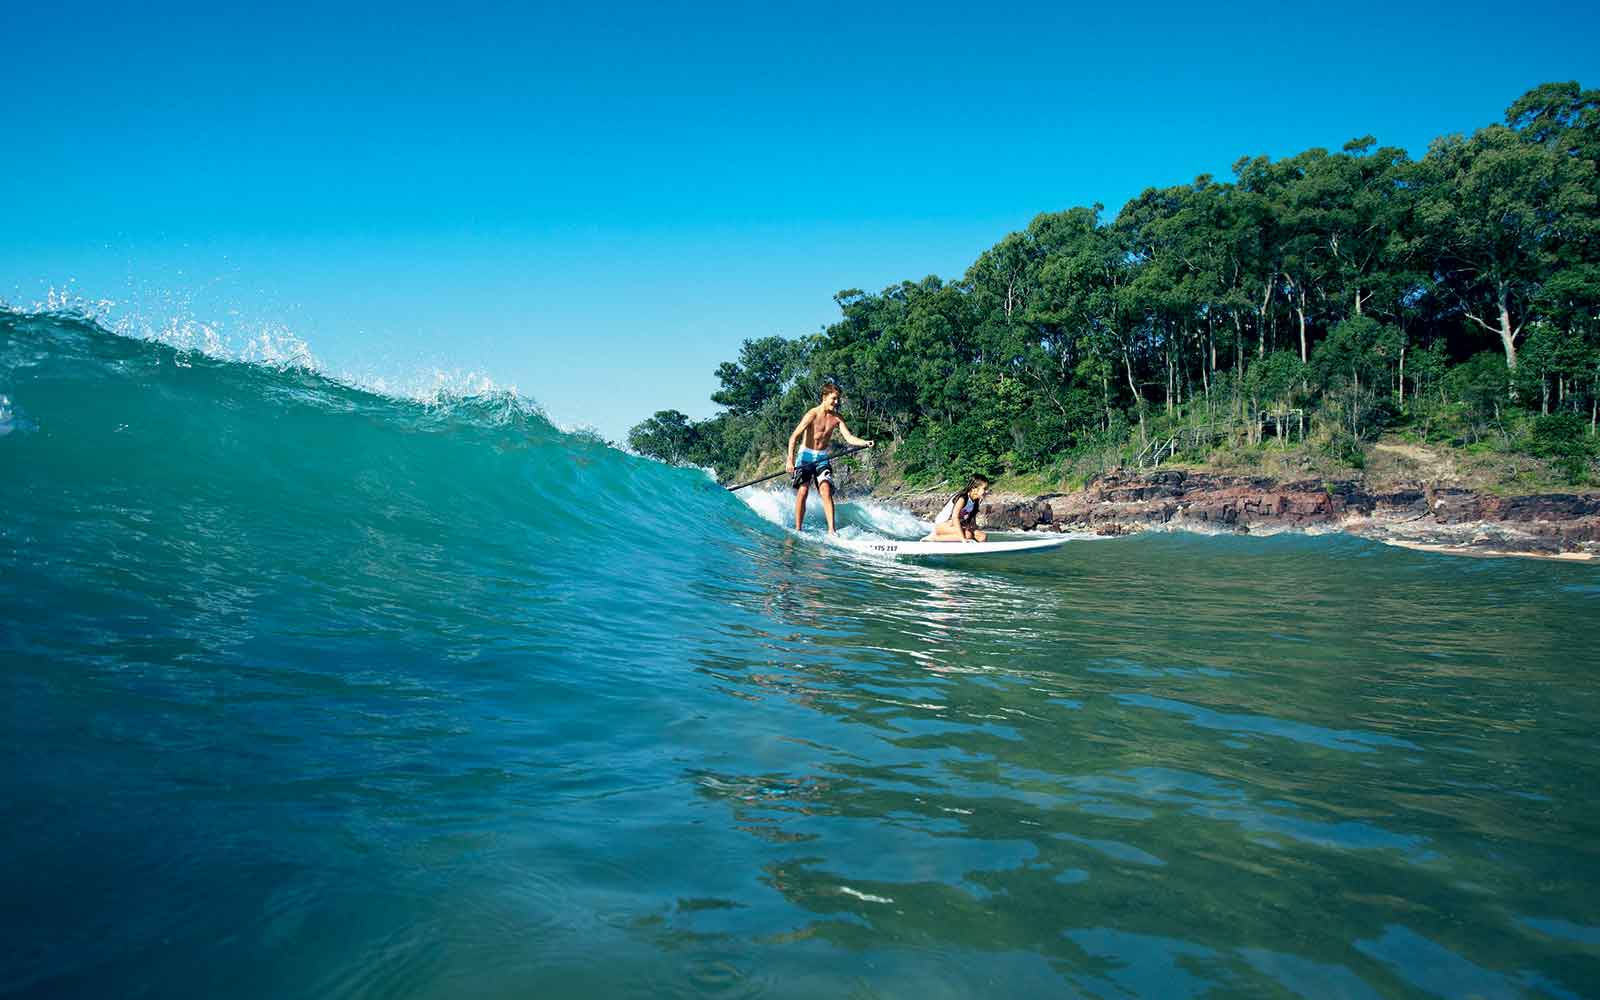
<point x="1361" y="287"/>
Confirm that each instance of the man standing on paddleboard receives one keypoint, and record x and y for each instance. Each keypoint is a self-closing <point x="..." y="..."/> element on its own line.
<point x="814" y="432"/>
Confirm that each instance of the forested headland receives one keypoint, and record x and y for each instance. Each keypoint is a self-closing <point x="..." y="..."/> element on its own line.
<point x="1308" y="306"/>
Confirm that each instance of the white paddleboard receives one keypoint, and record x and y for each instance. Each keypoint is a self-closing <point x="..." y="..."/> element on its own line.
<point x="892" y="549"/>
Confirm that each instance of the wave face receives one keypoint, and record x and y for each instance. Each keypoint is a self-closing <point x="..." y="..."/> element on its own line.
<point x="319" y="692"/>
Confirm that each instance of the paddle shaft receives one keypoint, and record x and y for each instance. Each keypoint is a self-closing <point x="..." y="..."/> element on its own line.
<point x="775" y="475"/>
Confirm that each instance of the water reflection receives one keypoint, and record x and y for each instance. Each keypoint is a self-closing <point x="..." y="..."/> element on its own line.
<point x="1047" y="769"/>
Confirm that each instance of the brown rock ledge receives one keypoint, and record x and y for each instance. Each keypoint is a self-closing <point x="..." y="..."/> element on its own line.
<point x="1437" y="518"/>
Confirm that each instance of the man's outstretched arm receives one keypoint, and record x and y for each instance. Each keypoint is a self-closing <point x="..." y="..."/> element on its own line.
<point x="799" y="429"/>
<point x="849" y="438"/>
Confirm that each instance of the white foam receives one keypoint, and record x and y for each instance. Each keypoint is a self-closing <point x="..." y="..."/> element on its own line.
<point x="168" y="319"/>
<point x="769" y="504"/>
<point x="895" y="522"/>
<point x="856" y="519"/>
<point x="865" y="896"/>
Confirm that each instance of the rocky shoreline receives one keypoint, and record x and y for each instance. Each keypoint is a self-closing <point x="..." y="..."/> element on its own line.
<point x="1426" y="516"/>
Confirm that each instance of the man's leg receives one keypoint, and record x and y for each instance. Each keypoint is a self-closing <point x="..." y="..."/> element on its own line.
<point x="800" y="507"/>
<point x="826" y="489"/>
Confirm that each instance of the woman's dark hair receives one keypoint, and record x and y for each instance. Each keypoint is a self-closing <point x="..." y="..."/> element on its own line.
<point x="976" y="481"/>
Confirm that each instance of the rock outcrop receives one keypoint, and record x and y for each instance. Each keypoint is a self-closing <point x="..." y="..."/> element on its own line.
<point x="1422" y="515"/>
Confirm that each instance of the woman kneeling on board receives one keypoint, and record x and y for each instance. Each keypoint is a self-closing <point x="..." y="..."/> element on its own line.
<point x="958" y="521"/>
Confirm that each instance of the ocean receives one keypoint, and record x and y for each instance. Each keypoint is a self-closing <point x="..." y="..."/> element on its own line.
<point x="313" y="691"/>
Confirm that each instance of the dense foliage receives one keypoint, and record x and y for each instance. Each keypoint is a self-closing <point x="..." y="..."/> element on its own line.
<point x="1329" y="295"/>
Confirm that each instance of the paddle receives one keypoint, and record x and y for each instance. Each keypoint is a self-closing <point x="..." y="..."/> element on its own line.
<point x="775" y="475"/>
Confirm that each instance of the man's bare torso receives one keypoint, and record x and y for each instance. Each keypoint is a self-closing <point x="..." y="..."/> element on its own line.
<point x="820" y="433"/>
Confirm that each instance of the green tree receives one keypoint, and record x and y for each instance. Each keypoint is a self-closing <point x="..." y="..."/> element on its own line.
<point x="1355" y="365"/>
<point x="1492" y="212"/>
<point x="1360" y="352"/>
<point x="1564" y="438"/>
<point x="1560" y="115"/>
<point x="1479" y="385"/>
<point x="668" y="436"/>
<point x="1062" y="337"/>
<point x="765" y="368"/>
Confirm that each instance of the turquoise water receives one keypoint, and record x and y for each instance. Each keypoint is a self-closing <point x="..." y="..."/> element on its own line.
<point x="315" y="692"/>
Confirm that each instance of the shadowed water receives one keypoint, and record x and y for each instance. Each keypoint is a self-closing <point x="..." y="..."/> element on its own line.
<point x="318" y="693"/>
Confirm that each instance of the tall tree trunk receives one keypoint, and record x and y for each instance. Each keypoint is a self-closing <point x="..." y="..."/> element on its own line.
<point x="1208" y="365"/>
<point x="1183" y="369"/>
<point x="1169" y="375"/>
<point x="1402" y="371"/>
<point x="1261" y="316"/>
<point x="1238" y="363"/>
<point x="1355" y="405"/>
<point x="1138" y="400"/>
<point x="1300" y="310"/>
<point x="1508" y="335"/>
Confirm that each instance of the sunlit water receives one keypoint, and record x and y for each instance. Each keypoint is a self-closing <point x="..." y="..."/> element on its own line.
<point x="318" y="693"/>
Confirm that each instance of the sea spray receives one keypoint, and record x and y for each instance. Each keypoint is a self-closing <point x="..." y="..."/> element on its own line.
<point x="858" y="515"/>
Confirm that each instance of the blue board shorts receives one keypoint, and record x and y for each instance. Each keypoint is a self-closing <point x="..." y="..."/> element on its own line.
<point x="811" y="467"/>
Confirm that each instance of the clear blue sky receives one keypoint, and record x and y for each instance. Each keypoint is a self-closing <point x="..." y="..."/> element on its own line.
<point x="597" y="204"/>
